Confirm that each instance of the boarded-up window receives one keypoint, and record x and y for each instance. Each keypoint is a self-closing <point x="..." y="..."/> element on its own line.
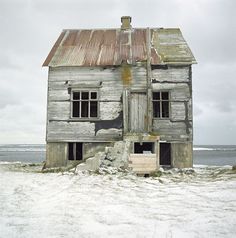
<point x="161" y="104"/>
<point x="84" y="104"/>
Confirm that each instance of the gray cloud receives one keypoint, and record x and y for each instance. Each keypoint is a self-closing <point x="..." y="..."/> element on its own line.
<point x="29" y="29"/>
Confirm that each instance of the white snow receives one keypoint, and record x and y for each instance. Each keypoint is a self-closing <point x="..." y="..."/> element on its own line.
<point x="177" y="204"/>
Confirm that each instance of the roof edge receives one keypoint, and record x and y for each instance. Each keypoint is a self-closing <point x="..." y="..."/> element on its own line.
<point x="53" y="50"/>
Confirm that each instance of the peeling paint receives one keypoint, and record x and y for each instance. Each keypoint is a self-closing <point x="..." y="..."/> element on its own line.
<point x="117" y="123"/>
<point x="126" y="74"/>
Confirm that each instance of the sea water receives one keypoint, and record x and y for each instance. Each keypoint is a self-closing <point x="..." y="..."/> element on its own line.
<point x="217" y="155"/>
<point x="198" y="202"/>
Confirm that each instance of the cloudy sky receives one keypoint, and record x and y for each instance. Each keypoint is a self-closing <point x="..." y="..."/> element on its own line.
<point x="30" y="27"/>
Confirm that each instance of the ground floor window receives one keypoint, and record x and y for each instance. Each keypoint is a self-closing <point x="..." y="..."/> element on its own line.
<point x="144" y="148"/>
<point x="75" y="151"/>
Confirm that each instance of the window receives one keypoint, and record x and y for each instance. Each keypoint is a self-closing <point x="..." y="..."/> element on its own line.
<point x="144" y="148"/>
<point x="84" y="104"/>
<point x="160" y="102"/>
<point x="75" y="151"/>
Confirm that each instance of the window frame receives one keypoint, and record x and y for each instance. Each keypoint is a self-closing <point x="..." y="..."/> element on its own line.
<point x="84" y="90"/>
<point x="160" y="101"/>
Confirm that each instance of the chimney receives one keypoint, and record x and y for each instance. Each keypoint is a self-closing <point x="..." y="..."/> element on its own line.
<point x="126" y="20"/>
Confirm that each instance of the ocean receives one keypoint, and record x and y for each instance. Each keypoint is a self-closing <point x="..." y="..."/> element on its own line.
<point x="198" y="202"/>
<point x="218" y="155"/>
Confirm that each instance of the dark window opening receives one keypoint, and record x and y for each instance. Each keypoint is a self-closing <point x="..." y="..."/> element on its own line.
<point x="156" y="109"/>
<point x="75" y="151"/>
<point x="93" y="95"/>
<point x="165" y="109"/>
<point x="84" y="108"/>
<point x="93" y="109"/>
<point x="85" y="104"/>
<point x="156" y="95"/>
<point x="76" y="109"/>
<point x="76" y="95"/>
<point x="85" y="95"/>
<point x="144" y="148"/>
<point x="71" y="151"/>
<point x="165" y="154"/>
<point x="164" y="95"/>
<point x="161" y="104"/>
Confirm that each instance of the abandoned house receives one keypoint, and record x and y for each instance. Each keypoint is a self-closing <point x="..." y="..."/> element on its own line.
<point x="120" y="85"/>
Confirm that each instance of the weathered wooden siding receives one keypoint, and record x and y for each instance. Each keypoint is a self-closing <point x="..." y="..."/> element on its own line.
<point x="56" y="155"/>
<point x="176" y="80"/>
<point x="181" y="154"/>
<point x="143" y="163"/>
<point x="172" y="74"/>
<point x="109" y="82"/>
<point x="138" y="112"/>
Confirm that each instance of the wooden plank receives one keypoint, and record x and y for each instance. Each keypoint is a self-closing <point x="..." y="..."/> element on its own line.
<point x="178" y="111"/>
<point x="142" y="158"/>
<point x="143" y="166"/>
<point x="58" y="110"/>
<point x="137" y="111"/>
<point x="143" y="163"/>
<point x="125" y="110"/>
<point x="110" y="110"/>
<point x="172" y="74"/>
<point x="144" y="170"/>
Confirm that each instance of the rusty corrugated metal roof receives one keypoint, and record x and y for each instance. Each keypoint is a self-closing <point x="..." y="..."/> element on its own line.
<point x="104" y="47"/>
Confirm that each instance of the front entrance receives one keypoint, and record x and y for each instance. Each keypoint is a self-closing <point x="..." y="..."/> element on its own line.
<point x="138" y="112"/>
<point x="165" y="154"/>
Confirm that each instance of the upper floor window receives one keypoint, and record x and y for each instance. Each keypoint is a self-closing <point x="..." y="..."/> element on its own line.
<point x="84" y="104"/>
<point x="161" y="104"/>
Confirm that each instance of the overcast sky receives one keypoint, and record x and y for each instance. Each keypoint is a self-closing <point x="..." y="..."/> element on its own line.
<point x="29" y="28"/>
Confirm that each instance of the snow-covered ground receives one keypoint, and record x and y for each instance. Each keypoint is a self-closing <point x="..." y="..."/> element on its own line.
<point x="177" y="204"/>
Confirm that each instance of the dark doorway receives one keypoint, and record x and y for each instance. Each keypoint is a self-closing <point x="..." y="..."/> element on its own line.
<point x="142" y="148"/>
<point x="75" y="151"/>
<point x="165" y="154"/>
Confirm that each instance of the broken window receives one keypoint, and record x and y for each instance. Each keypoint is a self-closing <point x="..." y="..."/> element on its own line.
<point x="160" y="101"/>
<point x="75" y="151"/>
<point x="144" y="148"/>
<point x="84" y="104"/>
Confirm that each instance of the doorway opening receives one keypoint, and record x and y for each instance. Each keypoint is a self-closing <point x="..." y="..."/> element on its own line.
<point x="144" y="148"/>
<point x="75" y="151"/>
<point x="165" y="154"/>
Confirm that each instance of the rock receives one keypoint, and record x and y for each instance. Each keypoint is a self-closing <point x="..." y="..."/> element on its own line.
<point x="117" y="156"/>
<point x="111" y="161"/>
<point x="108" y="170"/>
<point x="91" y="164"/>
<point x="234" y="167"/>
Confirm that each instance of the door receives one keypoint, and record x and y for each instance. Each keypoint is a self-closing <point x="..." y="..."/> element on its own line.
<point x="165" y="154"/>
<point x="138" y="112"/>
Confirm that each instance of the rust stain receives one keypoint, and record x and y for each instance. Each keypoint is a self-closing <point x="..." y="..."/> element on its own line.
<point x="126" y="74"/>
